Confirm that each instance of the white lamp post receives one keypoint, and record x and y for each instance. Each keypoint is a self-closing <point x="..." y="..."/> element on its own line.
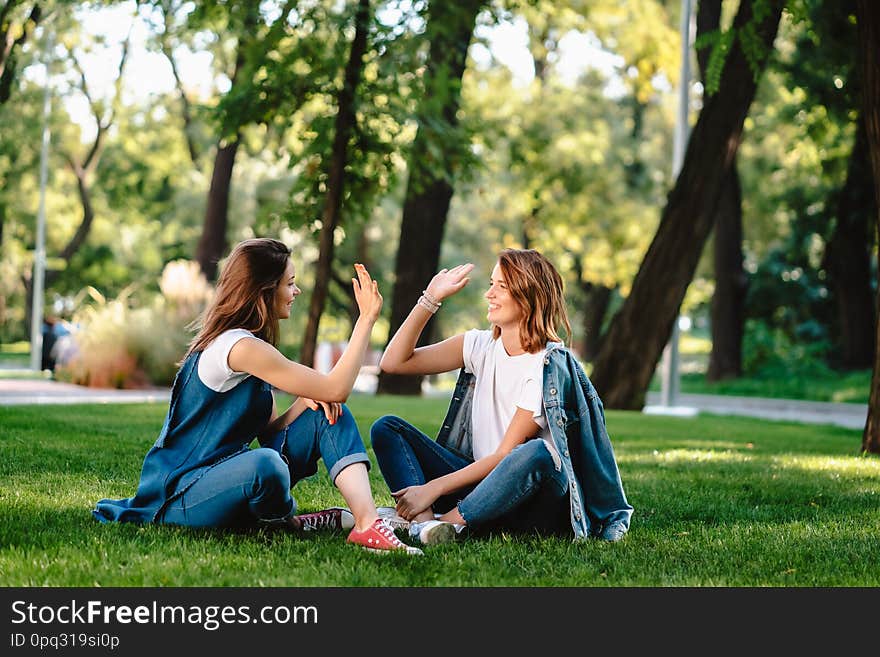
<point x="40" y="248"/>
<point x="670" y="368"/>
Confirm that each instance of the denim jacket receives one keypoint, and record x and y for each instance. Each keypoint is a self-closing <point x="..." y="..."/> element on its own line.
<point x="576" y="419"/>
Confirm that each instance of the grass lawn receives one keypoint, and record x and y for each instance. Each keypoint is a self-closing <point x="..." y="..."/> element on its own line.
<point x="718" y="502"/>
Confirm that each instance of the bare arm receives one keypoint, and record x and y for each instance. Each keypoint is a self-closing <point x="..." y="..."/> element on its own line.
<point x="265" y="362"/>
<point x="332" y="410"/>
<point x="401" y="355"/>
<point x="414" y="499"/>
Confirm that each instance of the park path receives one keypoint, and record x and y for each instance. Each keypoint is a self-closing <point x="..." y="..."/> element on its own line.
<point x="851" y="416"/>
<point x="43" y="391"/>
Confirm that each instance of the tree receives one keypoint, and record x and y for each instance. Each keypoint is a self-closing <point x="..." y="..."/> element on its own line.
<point x="15" y="30"/>
<point x="14" y="33"/>
<point x="213" y="241"/>
<point x="638" y="333"/>
<point x="868" y="14"/>
<point x="245" y="40"/>
<point x="847" y="259"/>
<point x="435" y="157"/>
<point x="331" y="215"/>
<point x="826" y="56"/>
<point x="83" y="167"/>
<point x="731" y="282"/>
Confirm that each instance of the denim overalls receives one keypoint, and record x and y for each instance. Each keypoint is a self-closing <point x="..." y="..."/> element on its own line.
<point x="202" y="472"/>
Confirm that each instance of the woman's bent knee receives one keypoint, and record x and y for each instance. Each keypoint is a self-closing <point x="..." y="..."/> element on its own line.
<point x="270" y="468"/>
<point x="383" y="430"/>
<point x="534" y="455"/>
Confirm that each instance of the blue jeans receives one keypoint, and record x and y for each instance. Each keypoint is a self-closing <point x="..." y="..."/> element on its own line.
<point x="255" y="485"/>
<point x="524" y="491"/>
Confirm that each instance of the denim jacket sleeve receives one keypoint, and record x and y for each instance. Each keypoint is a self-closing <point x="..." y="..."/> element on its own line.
<point x="576" y="419"/>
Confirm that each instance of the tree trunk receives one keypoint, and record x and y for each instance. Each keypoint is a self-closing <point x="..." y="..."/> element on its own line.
<point x="848" y="260"/>
<point x="731" y="284"/>
<point x="868" y="13"/>
<point x="11" y="45"/>
<point x="429" y="188"/>
<point x="330" y="219"/>
<point x="212" y="244"/>
<point x="598" y="298"/>
<point x="638" y="333"/>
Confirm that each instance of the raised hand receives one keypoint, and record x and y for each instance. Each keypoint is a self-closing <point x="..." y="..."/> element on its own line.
<point x="449" y="281"/>
<point x="366" y="293"/>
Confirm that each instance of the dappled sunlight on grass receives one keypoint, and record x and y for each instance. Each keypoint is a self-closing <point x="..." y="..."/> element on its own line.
<point x="852" y="466"/>
<point x="689" y="456"/>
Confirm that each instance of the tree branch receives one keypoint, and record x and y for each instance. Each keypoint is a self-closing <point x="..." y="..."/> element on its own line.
<point x="186" y="107"/>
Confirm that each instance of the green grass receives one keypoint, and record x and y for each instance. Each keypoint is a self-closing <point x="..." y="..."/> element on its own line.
<point x="850" y="387"/>
<point x="718" y="502"/>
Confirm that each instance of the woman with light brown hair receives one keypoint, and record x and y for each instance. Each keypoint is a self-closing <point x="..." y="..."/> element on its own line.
<point x="524" y="444"/>
<point x="202" y="472"/>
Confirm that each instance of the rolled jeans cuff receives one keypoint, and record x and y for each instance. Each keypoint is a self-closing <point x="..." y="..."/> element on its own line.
<point x="345" y="461"/>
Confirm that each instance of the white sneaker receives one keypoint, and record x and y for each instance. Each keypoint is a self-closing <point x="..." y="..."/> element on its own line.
<point x="389" y="514"/>
<point x="433" y="532"/>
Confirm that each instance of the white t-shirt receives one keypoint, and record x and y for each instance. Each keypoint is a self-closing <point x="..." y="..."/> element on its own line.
<point x="503" y="384"/>
<point x="214" y="370"/>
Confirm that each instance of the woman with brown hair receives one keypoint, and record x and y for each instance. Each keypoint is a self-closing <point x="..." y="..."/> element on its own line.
<point x="524" y="444"/>
<point x="202" y="472"/>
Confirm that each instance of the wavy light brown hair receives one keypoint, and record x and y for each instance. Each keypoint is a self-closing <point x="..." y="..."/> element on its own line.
<point x="537" y="289"/>
<point x="245" y="293"/>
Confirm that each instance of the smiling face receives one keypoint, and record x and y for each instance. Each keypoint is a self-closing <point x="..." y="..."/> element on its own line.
<point x="286" y="292"/>
<point x="504" y="311"/>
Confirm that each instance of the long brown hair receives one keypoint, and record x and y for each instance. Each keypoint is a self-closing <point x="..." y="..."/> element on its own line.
<point x="537" y="289"/>
<point x="245" y="293"/>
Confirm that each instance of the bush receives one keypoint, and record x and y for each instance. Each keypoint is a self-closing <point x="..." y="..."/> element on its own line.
<point x="120" y="346"/>
<point x="770" y="353"/>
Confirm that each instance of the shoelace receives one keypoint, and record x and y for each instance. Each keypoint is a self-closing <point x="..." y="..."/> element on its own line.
<point x="387" y="531"/>
<point x="315" y="521"/>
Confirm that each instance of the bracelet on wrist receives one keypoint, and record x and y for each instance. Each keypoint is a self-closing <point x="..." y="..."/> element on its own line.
<point x="431" y="299"/>
<point x="427" y="305"/>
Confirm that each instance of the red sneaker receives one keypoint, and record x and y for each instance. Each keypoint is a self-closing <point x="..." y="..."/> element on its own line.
<point x="379" y="537"/>
<point x="332" y="518"/>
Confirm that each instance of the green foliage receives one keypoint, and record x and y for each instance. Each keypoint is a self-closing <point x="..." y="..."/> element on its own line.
<point x="720" y="42"/>
<point x="788" y="296"/>
<point x="750" y="41"/>
<point x="772" y="353"/>
<point x="793" y="162"/>
<point x="566" y="166"/>
<point x="719" y="501"/>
